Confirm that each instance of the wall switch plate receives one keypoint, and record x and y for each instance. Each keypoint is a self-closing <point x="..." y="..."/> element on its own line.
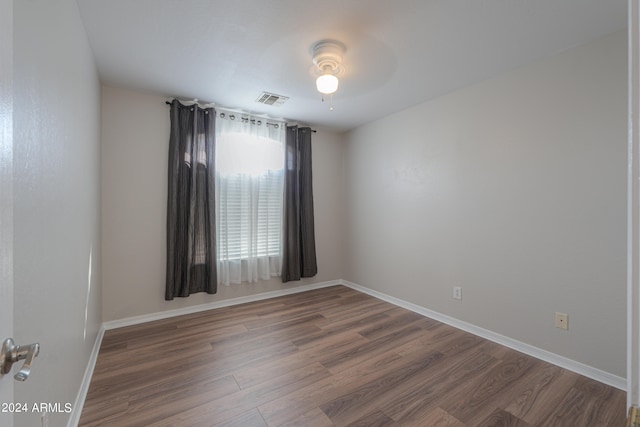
<point x="457" y="292"/>
<point x="562" y="320"/>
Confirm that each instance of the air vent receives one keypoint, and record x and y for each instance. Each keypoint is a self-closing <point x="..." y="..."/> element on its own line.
<point x="271" y="99"/>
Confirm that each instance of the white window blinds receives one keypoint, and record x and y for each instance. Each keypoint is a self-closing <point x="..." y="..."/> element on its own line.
<point x="250" y="215"/>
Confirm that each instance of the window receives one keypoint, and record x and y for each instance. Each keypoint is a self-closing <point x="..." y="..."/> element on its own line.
<point x="251" y="174"/>
<point x="249" y="190"/>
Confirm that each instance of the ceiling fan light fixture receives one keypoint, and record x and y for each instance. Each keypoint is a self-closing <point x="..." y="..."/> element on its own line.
<point x="327" y="84"/>
<point x="327" y="57"/>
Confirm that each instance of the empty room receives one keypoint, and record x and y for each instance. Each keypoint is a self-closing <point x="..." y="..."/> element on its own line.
<point x="338" y="213"/>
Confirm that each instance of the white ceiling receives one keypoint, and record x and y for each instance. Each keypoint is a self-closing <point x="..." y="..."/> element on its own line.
<point x="399" y="53"/>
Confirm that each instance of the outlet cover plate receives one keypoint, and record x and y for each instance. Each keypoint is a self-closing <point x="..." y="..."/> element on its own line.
<point x="457" y="292"/>
<point x="562" y="320"/>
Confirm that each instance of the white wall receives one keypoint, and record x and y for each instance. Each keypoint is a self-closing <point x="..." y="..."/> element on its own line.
<point x="57" y="203"/>
<point x="514" y="189"/>
<point x="135" y="138"/>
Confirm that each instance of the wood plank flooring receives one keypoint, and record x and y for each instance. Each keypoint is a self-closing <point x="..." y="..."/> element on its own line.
<point x="330" y="357"/>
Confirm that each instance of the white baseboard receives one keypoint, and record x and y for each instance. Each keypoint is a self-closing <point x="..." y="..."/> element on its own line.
<point x="538" y="353"/>
<point x="74" y="419"/>
<point x="217" y="304"/>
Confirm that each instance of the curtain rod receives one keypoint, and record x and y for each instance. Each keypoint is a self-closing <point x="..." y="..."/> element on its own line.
<point x="169" y="103"/>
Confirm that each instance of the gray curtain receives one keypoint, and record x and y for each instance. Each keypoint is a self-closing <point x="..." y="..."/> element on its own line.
<point x="299" y="245"/>
<point x="191" y="254"/>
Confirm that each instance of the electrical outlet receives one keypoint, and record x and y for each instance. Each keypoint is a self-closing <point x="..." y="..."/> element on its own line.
<point x="457" y="292"/>
<point x="562" y="320"/>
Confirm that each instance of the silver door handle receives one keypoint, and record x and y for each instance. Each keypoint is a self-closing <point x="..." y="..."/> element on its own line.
<point x="12" y="353"/>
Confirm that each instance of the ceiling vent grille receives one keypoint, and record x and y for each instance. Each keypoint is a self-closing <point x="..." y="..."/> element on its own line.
<point x="271" y="99"/>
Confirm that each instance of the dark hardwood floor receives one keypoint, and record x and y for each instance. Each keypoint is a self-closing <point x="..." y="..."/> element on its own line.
<point x="330" y="357"/>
